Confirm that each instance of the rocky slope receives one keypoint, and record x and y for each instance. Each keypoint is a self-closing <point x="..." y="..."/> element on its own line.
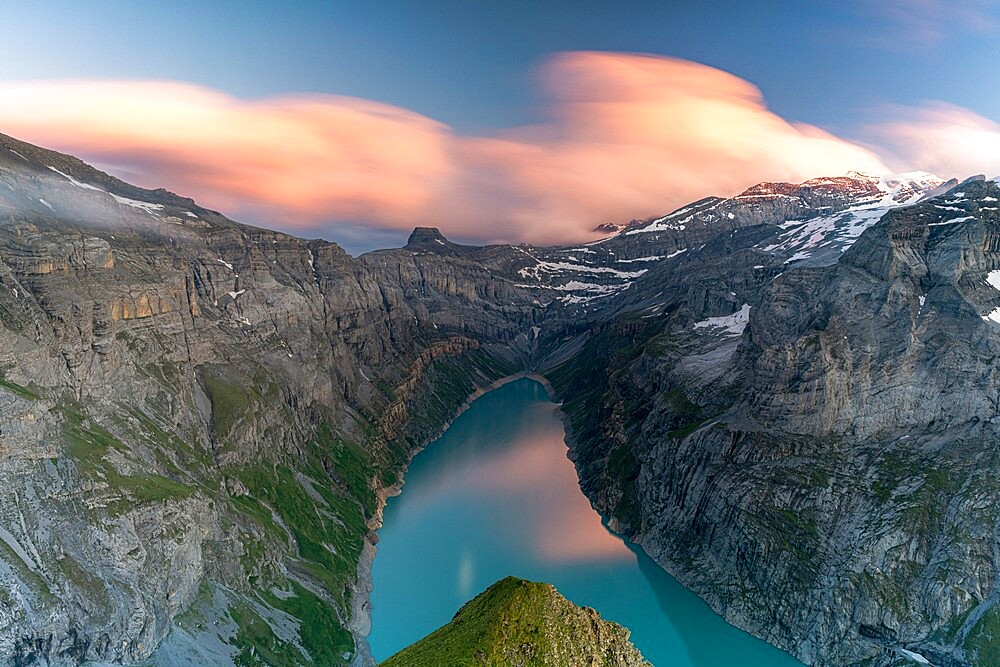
<point x="516" y="623"/>
<point x="819" y="463"/>
<point x="786" y="397"/>
<point x="198" y="417"/>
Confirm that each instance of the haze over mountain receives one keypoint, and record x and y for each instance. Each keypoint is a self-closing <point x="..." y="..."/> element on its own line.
<point x="786" y="397"/>
<point x="536" y="135"/>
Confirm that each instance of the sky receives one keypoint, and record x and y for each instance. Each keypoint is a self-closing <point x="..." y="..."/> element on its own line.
<point x="513" y="121"/>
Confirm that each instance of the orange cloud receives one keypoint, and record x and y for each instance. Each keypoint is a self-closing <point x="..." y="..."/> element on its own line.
<point x="942" y="138"/>
<point x="625" y="136"/>
<point x="304" y="158"/>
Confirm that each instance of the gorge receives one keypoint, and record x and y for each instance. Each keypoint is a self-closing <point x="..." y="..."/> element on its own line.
<point x="497" y="496"/>
<point x="787" y="399"/>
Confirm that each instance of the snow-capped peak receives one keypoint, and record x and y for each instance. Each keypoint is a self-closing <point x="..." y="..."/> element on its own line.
<point x="908" y="187"/>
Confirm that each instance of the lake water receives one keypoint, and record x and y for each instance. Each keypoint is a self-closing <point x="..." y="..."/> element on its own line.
<point x="496" y="496"/>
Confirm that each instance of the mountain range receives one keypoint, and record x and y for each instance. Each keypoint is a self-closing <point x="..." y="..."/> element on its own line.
<point x="788" y="398"/>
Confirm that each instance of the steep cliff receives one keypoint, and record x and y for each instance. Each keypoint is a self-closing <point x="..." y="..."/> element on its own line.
<point x="820" y="464"/>
<point x="198" y="417"/>
<point x="786" y="397"/>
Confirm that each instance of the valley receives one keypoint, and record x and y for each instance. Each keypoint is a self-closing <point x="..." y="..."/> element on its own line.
<point x="787" y="399"/>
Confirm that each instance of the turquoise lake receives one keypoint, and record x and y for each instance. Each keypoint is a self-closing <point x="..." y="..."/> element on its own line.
<point x="496" y="496"/>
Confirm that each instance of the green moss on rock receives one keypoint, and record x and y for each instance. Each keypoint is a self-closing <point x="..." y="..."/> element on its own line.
<point x="520" y="623"/>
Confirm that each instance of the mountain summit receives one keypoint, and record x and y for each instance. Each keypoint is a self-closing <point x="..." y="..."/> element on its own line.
<point x="520" y="623"/>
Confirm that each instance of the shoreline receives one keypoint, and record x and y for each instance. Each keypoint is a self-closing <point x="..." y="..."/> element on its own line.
<point x="360" y="622"/>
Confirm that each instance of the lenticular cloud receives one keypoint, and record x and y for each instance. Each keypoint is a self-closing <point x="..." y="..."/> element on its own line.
<point x="625" y="136"/>
<point x="940" y="137"/>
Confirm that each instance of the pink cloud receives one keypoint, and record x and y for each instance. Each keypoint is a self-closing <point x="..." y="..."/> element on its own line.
<point x="626" y="136"/>
<point x="939" y="137"/>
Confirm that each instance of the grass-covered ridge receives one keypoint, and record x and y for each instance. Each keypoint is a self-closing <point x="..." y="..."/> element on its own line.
<point x="518" y="622"/>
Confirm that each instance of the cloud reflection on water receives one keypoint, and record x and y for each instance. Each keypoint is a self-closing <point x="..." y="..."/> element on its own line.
<point x="533" y="477"/>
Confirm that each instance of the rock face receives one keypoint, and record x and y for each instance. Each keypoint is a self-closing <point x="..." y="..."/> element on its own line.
<point x="518" y="623"/>
<point x="820" y="463"/>
<point x="789" y="398"/>
<point x="199" y="416"/>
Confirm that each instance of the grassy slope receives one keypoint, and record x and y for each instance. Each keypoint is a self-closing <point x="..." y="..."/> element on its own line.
<point x="308" y="507"/>
<point x="518" y="622"/>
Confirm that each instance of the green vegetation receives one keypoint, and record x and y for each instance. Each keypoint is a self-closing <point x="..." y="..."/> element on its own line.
<point x="328" y="530"/>
<point x="604" y="402"/>
<point x="15" y="388"/>
<point x="446" y="384"/>
<point x="320" y="632"/>
<point x="348" y="463"/>
<point x="88" y="446"/>
<point x="229" y="403"/>
<point x="321" y="639"/>
<point x="517" y="622"/>
<point x="624" y="469"/>
<point x="257" y="644"/>
<point x="26" y="574"/>
<point x="983" y="643"/>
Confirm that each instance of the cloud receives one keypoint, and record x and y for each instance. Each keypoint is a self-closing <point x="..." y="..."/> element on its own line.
<point x="901" y="24"/>
<point x="624" y="136"/>
<point x="938" y="137"/>
<point x="301" y="158"/>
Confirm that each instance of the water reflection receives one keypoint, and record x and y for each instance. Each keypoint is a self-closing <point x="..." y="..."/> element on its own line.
<point x="496" y="496"/>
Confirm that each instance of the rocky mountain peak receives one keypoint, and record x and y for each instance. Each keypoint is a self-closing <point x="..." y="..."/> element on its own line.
<point x="430" y="239"/>
<point x="608" y="228"/>
<point x="837" y="186"/>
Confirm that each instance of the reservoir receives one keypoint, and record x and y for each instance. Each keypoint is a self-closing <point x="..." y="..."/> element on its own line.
<point x="496" y="496"/>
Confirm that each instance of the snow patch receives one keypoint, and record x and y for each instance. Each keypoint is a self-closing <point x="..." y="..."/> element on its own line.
<point x="557" y="267"/>
<point x="732" y="325"/>
<point x="915" y="657"/>
<point x="836" y="231"/>
<point x="141" y="205"/>
<point x="994" y="316"/>
<point x="85" y="186"/>
<point x="669" y="223"/>
<point x="651" y="258"/>
<point x="952" y="221"/>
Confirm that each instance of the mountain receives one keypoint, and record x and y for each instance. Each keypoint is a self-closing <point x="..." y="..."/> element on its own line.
<point x="516" y="622"/>
<point x="787" y="398"/>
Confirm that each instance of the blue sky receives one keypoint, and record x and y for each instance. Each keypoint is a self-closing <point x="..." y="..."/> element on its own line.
<point x="469" y="63"/>
<point x="474" y="66"/>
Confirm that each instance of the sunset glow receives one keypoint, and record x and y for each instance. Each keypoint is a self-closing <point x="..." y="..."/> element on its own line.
<point x="626" y="136"/>
<point x="361" y="124"/>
